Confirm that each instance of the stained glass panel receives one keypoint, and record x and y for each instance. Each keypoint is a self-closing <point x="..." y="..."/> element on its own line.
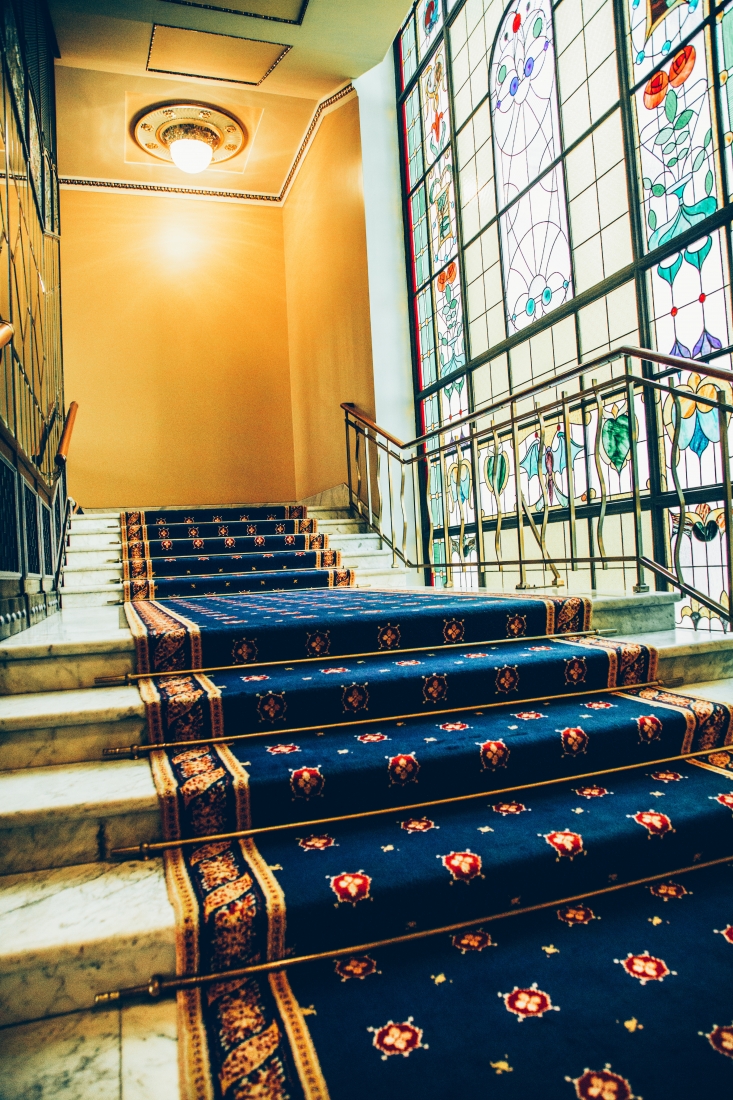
<point x="425" y="337"/>
<point x="413" y="137"/>
<point x="449" y="316"/>
<point x="725" y="60"/>
<point x="676" y="146"/>
<point x="420" y="244"/>
<point x="524" y="98"/>
<point x="656" y="27"/>
<point x="408" y="51"/>
<point x="429" y="16"/>
<point x="435" y="108"/>
<point x="536" y="252"/>
<point x="442" y="204"/>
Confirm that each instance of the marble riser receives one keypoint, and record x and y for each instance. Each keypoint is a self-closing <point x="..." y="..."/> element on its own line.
<point x="67" y="843"/>
<point x="91" y="596"/>
<point x="69" y="933"/>
<point x="96" y="542"/>
<point x="121" y="1054"/>
<point x="91" y="559"/>
<point x="52" y="673"/>
<point x="696" y="668"/>
<point x="341" y="527"/>
<point x="330" y="514"/>
<point x="49" y="746"/>
<point x="94" y="527"/>
<point x="84" y="577"/>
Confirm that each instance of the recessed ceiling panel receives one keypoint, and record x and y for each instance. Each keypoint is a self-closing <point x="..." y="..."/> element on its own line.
<point x="212" y="56"/>
<point x="280" y="11"/>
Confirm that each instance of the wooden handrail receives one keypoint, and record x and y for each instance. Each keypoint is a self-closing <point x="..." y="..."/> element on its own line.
<point x="7" y="332"/>
<point x="353" y="410"/>
<point x="63" y="450"/>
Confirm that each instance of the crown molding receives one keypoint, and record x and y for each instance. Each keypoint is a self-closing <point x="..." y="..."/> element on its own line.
<point x="85" y="183"/>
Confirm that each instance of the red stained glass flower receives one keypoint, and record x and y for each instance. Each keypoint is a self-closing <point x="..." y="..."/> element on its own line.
<point x="655" y="90"/>
<point x="446" y="276"/>
<point x="682" y="65"/>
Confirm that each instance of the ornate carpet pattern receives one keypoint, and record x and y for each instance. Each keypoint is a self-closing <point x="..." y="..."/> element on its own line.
<point x="539" y="761"/>
<point x="194" y="552"/>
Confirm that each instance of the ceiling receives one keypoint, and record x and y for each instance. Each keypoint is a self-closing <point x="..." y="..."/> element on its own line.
<point x="119" y="57"/>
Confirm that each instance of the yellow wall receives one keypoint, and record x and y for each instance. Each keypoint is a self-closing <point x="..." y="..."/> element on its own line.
<point x="210" y="344"/>
<point x="175" y="347"/>
<point x="328" y="299"/>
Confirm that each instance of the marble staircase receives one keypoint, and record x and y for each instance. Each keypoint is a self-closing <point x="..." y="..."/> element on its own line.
<point x="73" y="922"/>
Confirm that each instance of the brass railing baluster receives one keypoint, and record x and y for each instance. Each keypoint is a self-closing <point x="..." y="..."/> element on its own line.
<point x="570" y="480"/>
<point x="518" y="499"/>
<point x="368" y="474"/>
<point x="640" y="585"/>
<point x="445" y="489"/>
<point x="477" y="508"/>
<point x="674" y="463"/>
<point x="601" y="475"/>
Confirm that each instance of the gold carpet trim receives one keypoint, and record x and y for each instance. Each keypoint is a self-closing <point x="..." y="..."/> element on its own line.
<point x="301" y="1044"/>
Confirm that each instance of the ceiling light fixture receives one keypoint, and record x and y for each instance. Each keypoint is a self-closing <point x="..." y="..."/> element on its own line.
<point x="190" y="135"/>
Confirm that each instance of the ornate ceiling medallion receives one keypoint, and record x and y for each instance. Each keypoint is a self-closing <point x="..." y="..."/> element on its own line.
<point x="157" y="129"/>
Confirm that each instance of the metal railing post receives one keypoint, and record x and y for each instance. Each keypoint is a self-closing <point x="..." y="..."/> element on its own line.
<point x="641" y="585"/>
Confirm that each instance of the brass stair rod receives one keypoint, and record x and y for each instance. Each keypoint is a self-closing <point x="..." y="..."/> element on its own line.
<point x="146" y="848"/>
<point x="136" y="750"/>
<point x="127" y="677"/>
<point x="158" y="985"/>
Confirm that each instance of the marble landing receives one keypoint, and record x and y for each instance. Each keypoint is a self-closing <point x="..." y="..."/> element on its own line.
<point x="66" y="651"/>
<point x="692" y="656"/>
<point x="65" y="727"/>
<point x="69" y="933"/>
<point x="121" y="1054"/>
<point x="74" y="813"/>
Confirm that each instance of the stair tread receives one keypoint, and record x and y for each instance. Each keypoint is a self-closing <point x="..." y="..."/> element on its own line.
<point x="82" y="706"/>
<point x="69" y="632"/>
<point x="75" y="790"/>
<point x="681" y="641"/>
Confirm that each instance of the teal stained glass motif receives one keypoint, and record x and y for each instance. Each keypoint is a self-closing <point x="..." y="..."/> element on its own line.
<point x="676" y="146"/>
<point x="725" y="59"/>
<point x="449" y="316"/>
<point x="426" y="337"/>
<point x="435" y="106"/>
<point x="408" y="51"/>
<point x="413" y="137"/>
<point x="442" y="204"/>
<point x="420" y="242"/>
<point x="656" y="28"/>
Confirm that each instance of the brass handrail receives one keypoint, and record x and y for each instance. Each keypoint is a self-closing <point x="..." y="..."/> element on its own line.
<point x="62" y="453"/>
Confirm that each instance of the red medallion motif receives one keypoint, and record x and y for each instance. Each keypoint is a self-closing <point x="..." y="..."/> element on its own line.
<point x="494" y="754"/>
<point x="355" y="698"/>
<point x="451" y="727"/>
<point x="271" y="706"/>
<point x="668" y="890"/>
<point x="351" y="888"/>
<point x="252" y="529"/>
<point x="645" y="967"/>
<point x="726" y="933"/>
<point x="403" y="768"/>
<point x="473" y="941"/>
<point x="591" y="792"/>
<point x="474" y="656"/>
<point x="528" y="1003"/>
<point x="388" y="637"/>
<point x="318" y="644"/>
<point x="371" y="738"/>
<point x="508" y="808"/>
<point x="307" y="782"/>
<point x="334" y="671"/>
<point x="165" y="533"/>
<point x="316" y="843"/>
<point x="244" y="651"/>
<point x="406" y="664"/>
<point x="358" y="966"/>
<point x="230" y="543"/>
<point x="565" y="843"/>
<point x="397" y="1038"/>
<point x="198" y="543"/>
<point x="516" y="626"/>
<point x="507" y="679"/>
<point x="540" y="648"/>
<point x="576" y="914"/>
<point x="574" y="741"/>
<point x="599" y="705"/>
<point x="253" y="679"/>
<point x="260" y="540"/>
<point x="575" y="671"/>
<point x="666" y="777"/>
<point x="435" y="688"/>
<point x="650" y="728"/>
<point x="282" y="750"/>
<point x="168" y="545"/>
<point x="463" y="866"/>
<point x="725" y="800"/>
<point x="417" y="825"/>
<point x="602" y="1084"/>
<point x="721" y="1039"/>
<point x="529" y="715"/>
<point x="223" y="530"/>
<point x="657" y="824"/>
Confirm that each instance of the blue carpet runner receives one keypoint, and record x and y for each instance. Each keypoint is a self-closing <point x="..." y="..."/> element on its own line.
<point x="541" y="759"/>
<point x="195" y="552"/>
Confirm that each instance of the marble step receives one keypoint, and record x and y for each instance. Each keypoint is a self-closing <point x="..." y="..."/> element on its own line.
<point x="91" y="559"/>
<point x="74" y="813"/>
<point x="356" y="542"/>
<point x="91" y="595"/>
<point x="129" y="1053"/>
<point x="341" y="526"/>
<point x="66" y="651"/>
<point x="330" y="513"/>
<point x="96" y="525"/>
<point x="71" y="932"/>
<point x="76" y="576"/>
<point x="690" y="656"/>
<point x="102" y="541"/>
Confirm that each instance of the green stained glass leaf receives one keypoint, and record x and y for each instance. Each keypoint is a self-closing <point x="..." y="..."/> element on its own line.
<point x="616" y="440"/>
<point x="708" y="183"/>
<point x="658" y="190"/>
<point x="652" y="220"/>
<point x="682" y="138"/>
<point x="664" y="135"/>
<point x="698" y="256"/>
<point x="537" y="27"/>
<point x="708" y="139"/>
<point x="502" y="74"/>
<point x="670" y="105"/>
<point x="647" y="183"/>
<point x="683" y="119"/>
<point x="669" y="148"/>
<point x="699" y="159"/>
<point x="671" y="163"/>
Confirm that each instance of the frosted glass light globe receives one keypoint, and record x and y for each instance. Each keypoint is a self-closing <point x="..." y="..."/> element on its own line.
<point x="191" y="155"/>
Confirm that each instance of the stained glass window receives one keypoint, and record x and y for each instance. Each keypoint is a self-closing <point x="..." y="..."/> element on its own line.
<point x="568" y="168"/>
